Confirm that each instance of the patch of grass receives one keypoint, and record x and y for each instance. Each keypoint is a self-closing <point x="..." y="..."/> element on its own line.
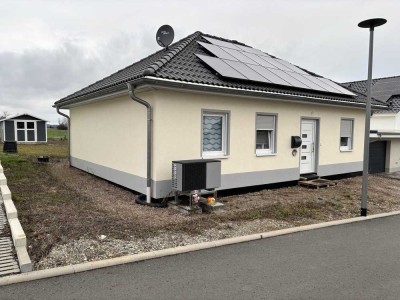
<point x="54" y="149"/>
<point x="309" y="209"/>
<point x="54" y="133"/>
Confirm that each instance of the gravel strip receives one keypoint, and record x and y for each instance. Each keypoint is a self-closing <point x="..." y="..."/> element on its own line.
<point x="84" y="249"/>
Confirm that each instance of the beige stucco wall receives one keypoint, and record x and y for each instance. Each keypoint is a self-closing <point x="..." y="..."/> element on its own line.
<point x="111" y="133"/>
<point x="177" y="131"/>
<point x="393" y="156"/>
<point x="383" y="121"/>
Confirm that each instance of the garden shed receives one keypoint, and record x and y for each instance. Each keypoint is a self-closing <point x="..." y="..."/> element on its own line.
<point x="23" y="128"/>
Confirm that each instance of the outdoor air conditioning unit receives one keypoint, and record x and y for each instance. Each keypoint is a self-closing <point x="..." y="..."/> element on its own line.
<point x="190" y="175"/>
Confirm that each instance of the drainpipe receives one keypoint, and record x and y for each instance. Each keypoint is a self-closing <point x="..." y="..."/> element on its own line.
<point x="69" y="133"/>
<point x="131" y="90"/>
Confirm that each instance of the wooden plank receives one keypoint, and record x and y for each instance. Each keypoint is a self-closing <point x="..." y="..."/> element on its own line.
<point x="6" y="255"/>
<point x="2" y="273"/>
<point x="7" y="260"/>
<point x="8" y="265"/>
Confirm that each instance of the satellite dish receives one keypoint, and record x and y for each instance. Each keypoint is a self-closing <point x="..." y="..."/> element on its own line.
<point x="165" y="36"/>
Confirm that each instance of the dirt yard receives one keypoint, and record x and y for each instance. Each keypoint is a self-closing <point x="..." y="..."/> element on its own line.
<point x="70" y="216"/>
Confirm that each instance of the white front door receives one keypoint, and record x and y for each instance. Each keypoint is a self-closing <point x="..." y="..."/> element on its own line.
<point x="308" y="146"/>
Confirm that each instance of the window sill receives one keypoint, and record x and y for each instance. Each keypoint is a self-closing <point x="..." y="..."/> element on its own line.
<point x="265" y="154"/>
<point x="215" y="156"/>
<point x="346" y="150"/>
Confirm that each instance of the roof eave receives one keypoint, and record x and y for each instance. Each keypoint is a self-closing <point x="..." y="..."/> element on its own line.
<point x="150" y="80"/>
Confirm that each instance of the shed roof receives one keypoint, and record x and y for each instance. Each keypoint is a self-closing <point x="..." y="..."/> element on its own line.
<point x="179" y="63"/>
<point x="20" y="115"/>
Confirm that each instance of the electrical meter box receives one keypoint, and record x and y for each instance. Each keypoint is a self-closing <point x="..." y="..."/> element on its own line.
<point x="189" y="175"/>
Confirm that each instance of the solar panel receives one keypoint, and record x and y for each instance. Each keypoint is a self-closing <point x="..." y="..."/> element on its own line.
<point x="307" y="82"/>
<point x="291" y="66"/>
<point x="217" y="51"/>
<point x="336" y="86"/>
<point x="221" y="67"/>
<point x="285" y="75"/>
<point x="322" y="84"/>
<point x="246" y="71"/>
<point x="275" y="62"/>
<point x="240" y="56"/>
<point x="242" y="62"/>
<point x="250" y="50"/>
<point x="259" y="60"/>
<point x="269" y="75"/>
<point x="221" y="43"/>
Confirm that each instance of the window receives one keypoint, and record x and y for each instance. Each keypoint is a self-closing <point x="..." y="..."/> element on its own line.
<point x="25" y="131"/>
<point x="215" y="133"/>
<point x="265" y="134"/>
<point x="346" y="135"/>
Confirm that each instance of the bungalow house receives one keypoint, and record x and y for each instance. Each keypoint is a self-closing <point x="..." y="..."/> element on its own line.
<point x="385" y="124"/>
<point x="209" y="97"/>
<point x="23" y="128"/>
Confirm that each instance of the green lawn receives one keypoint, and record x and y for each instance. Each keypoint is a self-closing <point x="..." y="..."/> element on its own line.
<point x="54" y="133"/>
<point x="54" y="148"/>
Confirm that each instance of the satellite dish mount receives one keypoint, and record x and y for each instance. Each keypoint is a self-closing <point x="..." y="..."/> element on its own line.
<point x="165" y="36"/>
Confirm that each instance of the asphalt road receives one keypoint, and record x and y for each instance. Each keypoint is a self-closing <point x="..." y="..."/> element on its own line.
<point x="353" y="261"/>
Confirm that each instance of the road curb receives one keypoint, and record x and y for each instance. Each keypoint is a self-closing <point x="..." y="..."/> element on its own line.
<point x="83" y="267"/>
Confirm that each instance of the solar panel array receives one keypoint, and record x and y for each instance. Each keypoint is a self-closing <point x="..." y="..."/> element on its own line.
<point x="246" y="63"/>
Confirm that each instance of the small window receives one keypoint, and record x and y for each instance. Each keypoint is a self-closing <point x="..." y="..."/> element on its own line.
<point x="346" y="135"/>
<point x="20" y="125"/>
<point x="215" y="134"/>
<point x="265" y="134"/>
<point x="30" y="125"/>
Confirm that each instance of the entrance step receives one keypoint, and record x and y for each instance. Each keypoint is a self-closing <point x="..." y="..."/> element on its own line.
<point x="317" y="183"/>
<point x="310" y="176"/>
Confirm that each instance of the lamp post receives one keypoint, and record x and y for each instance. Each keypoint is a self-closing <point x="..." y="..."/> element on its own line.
<point x="371" y="24"/>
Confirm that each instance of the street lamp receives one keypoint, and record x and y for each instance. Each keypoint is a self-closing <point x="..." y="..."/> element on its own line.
<point x="371" y="24"/>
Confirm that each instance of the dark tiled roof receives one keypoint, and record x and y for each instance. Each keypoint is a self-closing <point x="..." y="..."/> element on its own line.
<point x="394" y="107"/>
<point x="382" y="88"/>
<point x="385" y="89"/>
<point x="180" y="63"/>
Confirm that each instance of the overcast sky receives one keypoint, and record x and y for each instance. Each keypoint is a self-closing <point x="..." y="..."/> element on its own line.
<point x="50" y="49"/>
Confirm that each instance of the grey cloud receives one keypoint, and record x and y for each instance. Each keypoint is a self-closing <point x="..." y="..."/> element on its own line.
<point x="34" y="79"/>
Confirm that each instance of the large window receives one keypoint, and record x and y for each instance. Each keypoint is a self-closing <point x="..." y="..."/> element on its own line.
<point x="25" y="131"/>
<point x="346" y="135"/>
<point x="265" y="134"/>
<point x="215" y="133"/>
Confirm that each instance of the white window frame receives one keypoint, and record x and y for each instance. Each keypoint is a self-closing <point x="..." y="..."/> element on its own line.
<point x="25" y="130"/>
<point x="349" y="146"/>
<point x="225" y="134"/>
<point x="272" y="142"/>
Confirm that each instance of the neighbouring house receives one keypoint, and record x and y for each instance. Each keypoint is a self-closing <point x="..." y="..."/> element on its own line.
<point x="385" y="124"/>
<point x="23" y="128"/>
<point x="215" y="98"/>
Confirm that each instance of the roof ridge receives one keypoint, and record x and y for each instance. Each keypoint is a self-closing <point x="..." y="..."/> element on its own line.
<point x="150" y="70"/>
<point x="379" y="78"/>
<point x="225" y="39"/>
<point x="134" y="63"/>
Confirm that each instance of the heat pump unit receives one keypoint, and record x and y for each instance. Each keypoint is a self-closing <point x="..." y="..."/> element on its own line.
<point x="189" y="175"/>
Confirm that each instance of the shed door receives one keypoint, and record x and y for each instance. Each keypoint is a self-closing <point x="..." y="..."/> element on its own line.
<point x="377" y="157"/>
<point x="307" y="149"/>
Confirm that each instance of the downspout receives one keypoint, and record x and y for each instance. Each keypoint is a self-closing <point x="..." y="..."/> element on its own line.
<point x="69" y="133"/>
<point x="149" y="137"/>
